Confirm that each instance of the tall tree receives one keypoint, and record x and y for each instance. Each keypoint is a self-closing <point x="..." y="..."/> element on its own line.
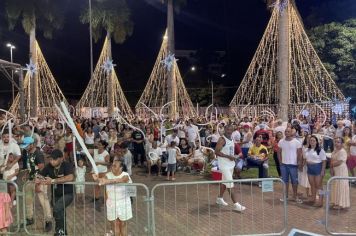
<point x="45" y="15"/>
<point x="336" y="46"/>
<point x="114" y="17"/>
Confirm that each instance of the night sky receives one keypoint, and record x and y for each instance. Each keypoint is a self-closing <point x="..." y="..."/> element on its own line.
<point x="233" y="26"/>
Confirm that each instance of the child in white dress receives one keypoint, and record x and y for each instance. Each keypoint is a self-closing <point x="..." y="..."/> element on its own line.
<point x="80" y="177"/>
<point x="118" y="202"/>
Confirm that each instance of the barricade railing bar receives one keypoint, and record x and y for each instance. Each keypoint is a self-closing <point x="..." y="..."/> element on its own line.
<point x="4" y="189"/>
<point x="184" y="208"/>
<point x="189" y="208"/>
<point x="340" y="220"/>
<point x="89" y="216"/>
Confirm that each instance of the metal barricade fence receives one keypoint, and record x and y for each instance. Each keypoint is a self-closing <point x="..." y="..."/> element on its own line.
<point x="7" y="207"/>
<point x="340" y="219"/>
<point x="87" y="216"/>
<point x="189" y="208"/>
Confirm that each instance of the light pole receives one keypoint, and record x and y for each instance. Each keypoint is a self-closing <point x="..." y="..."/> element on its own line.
<point x="11" y="46"/>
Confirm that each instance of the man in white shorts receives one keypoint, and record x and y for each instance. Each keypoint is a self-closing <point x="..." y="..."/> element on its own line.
<point x="224" y="150"/>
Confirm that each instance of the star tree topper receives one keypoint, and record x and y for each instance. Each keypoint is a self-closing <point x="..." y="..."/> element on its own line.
<point x="108" y="65"/>
<point x="32" y="68"/>
<point x="281" y="5"/>
<point x="168" y="61"/>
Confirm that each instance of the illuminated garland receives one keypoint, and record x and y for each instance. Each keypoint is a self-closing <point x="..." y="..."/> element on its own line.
<point x="49" y="92"/>
<point x="96" y="93"/>
<point x="155" y="94"/>
<point x="309" y="81"/>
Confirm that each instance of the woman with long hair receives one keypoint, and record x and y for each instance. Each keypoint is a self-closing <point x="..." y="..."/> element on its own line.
<point x="340" y="190"/>
<point x="303" y="175"/>
<point x="316" y="162"/>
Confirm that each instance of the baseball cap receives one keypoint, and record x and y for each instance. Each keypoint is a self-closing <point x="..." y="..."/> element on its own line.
<point x="246" y="126"/>
<point x="56" y="153"/>
<point x="26" y="141"/>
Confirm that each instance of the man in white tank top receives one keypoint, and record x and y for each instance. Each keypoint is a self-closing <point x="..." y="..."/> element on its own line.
<point x="226" y="161"/>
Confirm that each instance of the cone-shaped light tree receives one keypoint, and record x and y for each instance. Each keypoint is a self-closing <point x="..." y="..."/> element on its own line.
<point x="113" y="17"/>
<point x="44" y="15"/>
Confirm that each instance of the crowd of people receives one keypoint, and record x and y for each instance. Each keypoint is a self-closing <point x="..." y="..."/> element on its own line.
<point x="43" y="150"/>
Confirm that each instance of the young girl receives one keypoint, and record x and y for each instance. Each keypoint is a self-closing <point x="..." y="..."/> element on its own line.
<point x="118" y="202"/>
<point x="5" y="212"/>
<point x="172" y="160"/>
<point x="80" y="177"/>
<point x="68" y="138"/>
<point x="10" y="174"/>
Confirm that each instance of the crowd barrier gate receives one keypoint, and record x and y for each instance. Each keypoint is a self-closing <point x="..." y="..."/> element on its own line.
<point x="179" y="208"/>
<point x="341" y="221"/>
<point x="189" y="208"/>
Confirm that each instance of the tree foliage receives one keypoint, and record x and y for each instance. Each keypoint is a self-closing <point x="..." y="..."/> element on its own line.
<point x="336" y="46"/>
<point x="203" y="95"/>
<point x="113" y="16"/>
<point x="45" y="15"/>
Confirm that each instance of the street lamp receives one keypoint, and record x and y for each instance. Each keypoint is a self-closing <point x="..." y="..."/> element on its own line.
<point x="11" y="46"/>
<point x="192" y="68"/>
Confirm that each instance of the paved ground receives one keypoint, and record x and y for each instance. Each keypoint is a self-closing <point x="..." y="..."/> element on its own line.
<point x="191" y="210"/>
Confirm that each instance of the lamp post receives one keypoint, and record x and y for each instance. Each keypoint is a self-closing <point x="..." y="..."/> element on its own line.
<point x="11" y="46"/>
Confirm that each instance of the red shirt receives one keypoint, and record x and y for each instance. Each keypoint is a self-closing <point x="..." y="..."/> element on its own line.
<point x="155" y="133"/>
<point x="237" y="149"/>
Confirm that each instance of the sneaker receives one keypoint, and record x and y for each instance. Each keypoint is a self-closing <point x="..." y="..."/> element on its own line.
<point x="238" y="207"/>
<point x="48" y="226"/>
<point x="265" y="165"/>
<point x="220" y="201"/>
<point x="110" y="233"/>
<point x="29" y="222"/>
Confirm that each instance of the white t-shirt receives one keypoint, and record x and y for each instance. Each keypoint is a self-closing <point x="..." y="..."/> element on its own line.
<point x="353" y="148"/>
<point x="89" y="139"/>
<point x="289" y="151"/>
<point x="11" y="172"/>
<point x="236" y="136"/>
<point x="192" y="132"/>
<point x="214" y="137"/>
<point x="80" y="174"/>
<point x="100" y="157"/>
<point x="11" y="147"/>
<point x="157" y="151"/>
<point x="313" y="157"/>
<point x="170" y="139"/>
<point x="172" y="155"/>
<point x="181" y="133"/>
